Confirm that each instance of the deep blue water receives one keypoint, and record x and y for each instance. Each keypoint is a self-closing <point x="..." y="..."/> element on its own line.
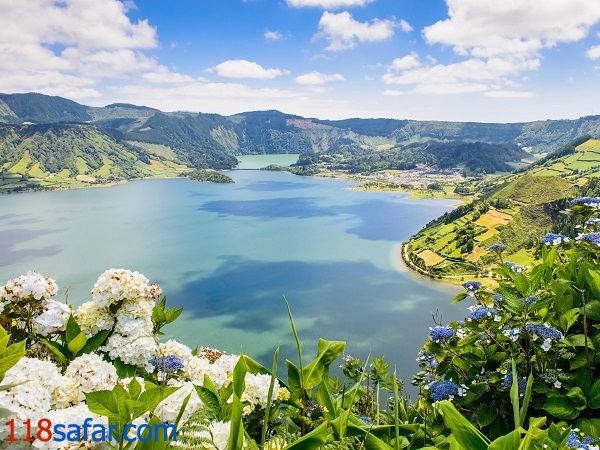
<point x="229" y="253"/>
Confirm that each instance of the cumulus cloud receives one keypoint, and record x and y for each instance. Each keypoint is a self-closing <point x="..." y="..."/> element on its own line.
<point x="273" y="35"/>
<point x="242" y="68"/>
<point x="594" y="52"/>
<point x="471" y="75"/>
<point x="66" y="46"/>
<point x="327" y="4"/>
<point x="485" y="28"/>
<point x="316" y="78"/>
<point x="343" y="32"/>
<point x="498" y="41"/>
<point x="406" y="62"/>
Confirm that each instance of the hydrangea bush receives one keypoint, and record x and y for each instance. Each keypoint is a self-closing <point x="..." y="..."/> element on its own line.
<point x="546" y="320"/>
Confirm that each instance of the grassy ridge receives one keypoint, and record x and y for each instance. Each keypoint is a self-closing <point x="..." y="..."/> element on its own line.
<point x="74" y="155"/>
<point x="516" y="210"/>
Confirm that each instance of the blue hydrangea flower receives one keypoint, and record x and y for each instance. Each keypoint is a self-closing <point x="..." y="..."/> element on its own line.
<point x="441" y="334"/>
<point x="169" y="363"/>
<point x="508" y="382"/>
<point x="543" y="331"/>
<point x="472" y="286"/>
<point x="529" y="301"/>
<point x="444" y="390"/>
<point x="555" y="239"/>
<point x="497" y="247"/>
<point x="514" y="267"/>
<point x="574" y="441"/>
<point x="366" y="420"/>
<point x="592" y="238"/>
<point x="479" y="313"/>
<point x="513" y="333"/>
<point x="497" y="298"/>
<point x="587" y="201"/>
<point x="594" y="221"/>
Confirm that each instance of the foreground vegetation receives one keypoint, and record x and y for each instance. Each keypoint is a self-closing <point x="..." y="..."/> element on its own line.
<point x="520" y="372"/>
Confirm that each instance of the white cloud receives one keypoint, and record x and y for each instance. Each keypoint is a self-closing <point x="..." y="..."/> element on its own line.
<point x="65" y="47"/>
<point x="316" y="78"/>
<point x="327" y="4"/>
<point x="242" y="68"/>
<point x="594" y="52"/>
<point x="393" y="92"/>
<point x="486" y="28"/>
<point x="509" y="94"/>
<point x="499" y="41"/>
<point x="343" y="32"/>
<point x="273" y="35"/>
<point x="472" y="75"/>
<point x="406" y="62"/>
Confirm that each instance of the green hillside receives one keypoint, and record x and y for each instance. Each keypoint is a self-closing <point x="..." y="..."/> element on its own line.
<point x="73" y="155"/>
<point x="515" y="210"/>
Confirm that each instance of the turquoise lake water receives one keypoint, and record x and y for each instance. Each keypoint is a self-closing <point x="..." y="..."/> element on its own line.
<point x="229" y="253"/>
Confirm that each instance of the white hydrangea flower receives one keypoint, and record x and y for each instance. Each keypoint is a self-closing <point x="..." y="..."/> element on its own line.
<point x="127" y="326"/>
<point x="136" y="308"/>
<point x="220" y="372"/>
<point x="115" y="285"/>
<point x="92" y="318"/>
<point x="172" y="347"/>
<point x="53" y="318"/>
<point x="66" y="393"/>
<point x="73" y="415"/>
<point x="169" y="408"/>
<point x="135" y="350"/>
<point x="31" y="397"/>
<point x="91" y="373"/>
<point x="31" y="284"/>
<point x="256" y="391"/>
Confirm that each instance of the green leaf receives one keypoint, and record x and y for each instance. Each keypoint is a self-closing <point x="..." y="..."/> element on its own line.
<point x="526" y="399"/>
<point x="510" y="441"/>
<point x="487" y="414"/>
<point x="94" y="342"/>
<point x="124" y="370"/>
<point x="103" y="403"/>
<point x="11" y="356"/>
<point x="327" y="352"/>
<point x="460" y="297"/>
<point x="77" y="343"/>
<point x="294" y="379"/>
<point x="590" y="427"/>
<point x="135" y="389"/>
<point x="150" y="398"/>
<point x="61" y="353"/>
<point x="72" y="330"/>
<point x="569" y="318"/>
<point x="582" y="379"/>
<point x="592" y="310"/>
<point x="579" y="340"/>
<point x="236" y="431"/>
<point x="561" y="407"/>
<point x="209" y="399"/>
<point x="465" y="433"/>
<point x="313" y="440"/>
<point x="576" y="394"/>
<point x="593" y="395"/>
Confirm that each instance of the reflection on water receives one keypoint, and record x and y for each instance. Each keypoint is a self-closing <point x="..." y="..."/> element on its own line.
<point x="229" y="253"/>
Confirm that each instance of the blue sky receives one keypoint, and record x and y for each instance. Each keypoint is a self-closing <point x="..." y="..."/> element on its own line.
<point x="475" y="60"/>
